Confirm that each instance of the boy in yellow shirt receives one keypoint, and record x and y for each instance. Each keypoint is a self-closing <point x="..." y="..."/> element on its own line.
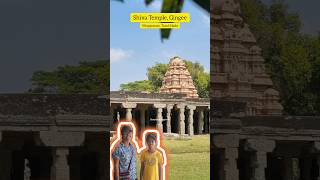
<point x="151" y="160"/>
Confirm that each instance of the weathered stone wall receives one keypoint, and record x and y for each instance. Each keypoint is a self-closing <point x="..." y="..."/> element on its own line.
<point x="52" y="104"/>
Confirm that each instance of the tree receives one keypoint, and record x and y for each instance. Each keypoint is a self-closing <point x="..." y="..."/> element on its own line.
<point x="87" y="77"/>
<point x="156" y="75"/>
<point x="144" y="85"/>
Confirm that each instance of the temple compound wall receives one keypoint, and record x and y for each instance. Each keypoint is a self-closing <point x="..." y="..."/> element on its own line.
<point x="53" y="137"/>
<point x="169" y="112"/>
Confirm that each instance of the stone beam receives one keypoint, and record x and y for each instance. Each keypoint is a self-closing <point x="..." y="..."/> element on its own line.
<point x="260" y="145"/>
<point x="62" y="139"/>
<point x="316" y="146"/>
<point x="226" y="141"/>
<point x="129" y="105"/>
<point x="159" y="106"/>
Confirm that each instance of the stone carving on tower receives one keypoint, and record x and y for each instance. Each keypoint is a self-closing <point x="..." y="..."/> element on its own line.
<point x="178" y="79"/>
<point x="237" y="66"/>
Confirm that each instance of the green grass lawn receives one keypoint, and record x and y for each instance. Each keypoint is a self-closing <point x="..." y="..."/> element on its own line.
<point x="188" y="159"/>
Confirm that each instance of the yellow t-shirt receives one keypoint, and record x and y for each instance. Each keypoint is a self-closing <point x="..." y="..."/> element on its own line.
<point x="151" y="161"/>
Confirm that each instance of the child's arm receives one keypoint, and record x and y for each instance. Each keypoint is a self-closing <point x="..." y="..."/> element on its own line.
<point x="141" y="170"/>
<point x="116" y="168"/>
<point x="160" y="171"/>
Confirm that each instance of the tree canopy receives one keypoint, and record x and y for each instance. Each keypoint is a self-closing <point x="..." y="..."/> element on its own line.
<point x="156" y="75"/>
<point x="87" y="77"/>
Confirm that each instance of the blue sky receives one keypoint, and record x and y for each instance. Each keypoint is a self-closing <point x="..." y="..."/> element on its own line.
<point x="133" y="50"/>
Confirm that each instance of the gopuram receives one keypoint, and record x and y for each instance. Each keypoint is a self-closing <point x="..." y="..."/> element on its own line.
<point x="176" y="109"/>
<point x="250" y="138"/>
<point x="53" y="137"/>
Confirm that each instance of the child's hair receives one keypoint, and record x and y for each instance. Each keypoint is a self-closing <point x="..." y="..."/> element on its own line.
<point x="151" y="137"/>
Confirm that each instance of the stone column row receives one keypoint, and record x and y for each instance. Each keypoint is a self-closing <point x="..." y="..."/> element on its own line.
<point x="159" y="118"/>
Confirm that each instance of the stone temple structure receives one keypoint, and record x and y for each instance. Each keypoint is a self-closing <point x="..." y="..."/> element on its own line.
<point x="53" y="137"/>
<point x="177" y="109"/>
<point x="238" y="70"/>
<point x="250" y="139"/>
<point x="178" y="79"/>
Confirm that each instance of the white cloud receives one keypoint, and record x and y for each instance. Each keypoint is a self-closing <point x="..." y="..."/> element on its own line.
<point x="156" y="5"/>
<point x="118" y="54"/>
<point x="205" y="19"/>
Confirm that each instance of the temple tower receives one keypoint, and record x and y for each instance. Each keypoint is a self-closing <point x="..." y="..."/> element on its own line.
<point x="178" y="79"/>
<point x="237" y="66"/>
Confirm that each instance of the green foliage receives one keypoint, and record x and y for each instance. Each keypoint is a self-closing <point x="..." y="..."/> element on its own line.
<point x="144" y="85"/>
<point x="87" y="77"/>
<point x="170" y="6"/>
<point x="200" y="78"/>
<point x="156" y="75"/>
<point x="292" y="58"/>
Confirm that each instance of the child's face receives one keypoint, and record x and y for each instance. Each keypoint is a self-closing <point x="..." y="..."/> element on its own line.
<point x="151" y="144"/>
<point x="129" y="137"/>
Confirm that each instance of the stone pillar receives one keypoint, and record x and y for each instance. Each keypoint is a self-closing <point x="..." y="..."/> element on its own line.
<point x="112" y="111"/>
<point x="102" y="166"/>
<point x="159" y="118"/>
<point x="142" y="117"/>
<point x="60" y="168"/>
<point x="5" y="164"/>
<point x="230" y="144"/>
<point x="129" y="107"/>
<point x="316" y="147"/>
<point x="289" y="168"/>
<point x="190" y="119"/>
<point x="306" y="169"/>
<point x="169" y="108"/>
<point x="207" y="120"/>
<point x="181" y="118"/>
<point x="200" y="120"/>
<point x="260" y="147"/>
<point x="129" y="114"/>
<point x="118" y="116"/>
<point x="318" y="162"/>
<point x="114" y="119"/>
<point x="60" y="142"/>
